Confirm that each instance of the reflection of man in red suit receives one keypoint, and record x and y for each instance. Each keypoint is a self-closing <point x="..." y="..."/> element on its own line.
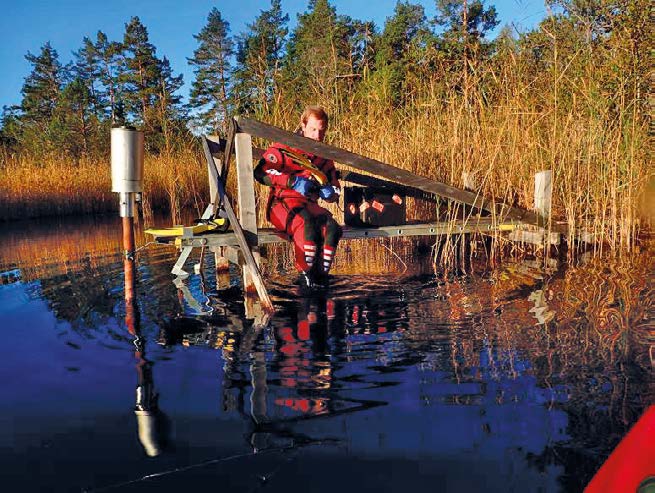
<point x="304" y="364"/>
<point x="298" y="179"/>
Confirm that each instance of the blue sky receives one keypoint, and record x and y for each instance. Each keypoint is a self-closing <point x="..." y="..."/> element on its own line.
<point x="28" y="24"/>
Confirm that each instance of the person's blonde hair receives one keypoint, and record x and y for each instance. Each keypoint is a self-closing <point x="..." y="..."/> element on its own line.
<point x="317" y="112"/>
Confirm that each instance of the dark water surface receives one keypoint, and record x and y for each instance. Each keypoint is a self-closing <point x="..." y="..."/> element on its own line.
<point x="518" y="379"/>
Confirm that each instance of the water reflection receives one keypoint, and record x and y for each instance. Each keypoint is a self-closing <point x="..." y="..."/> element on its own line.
<point x="527" y="374"/>
<point x="150" y="420"/>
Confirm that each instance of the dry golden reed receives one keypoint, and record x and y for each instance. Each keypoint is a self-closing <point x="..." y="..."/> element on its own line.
<point x="54" y="186"/>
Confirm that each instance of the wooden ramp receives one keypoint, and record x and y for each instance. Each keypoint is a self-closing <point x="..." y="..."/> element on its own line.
<point x="246" y="237"/>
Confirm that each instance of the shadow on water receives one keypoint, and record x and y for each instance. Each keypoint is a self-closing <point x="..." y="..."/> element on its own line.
<point x="523" y="378"/>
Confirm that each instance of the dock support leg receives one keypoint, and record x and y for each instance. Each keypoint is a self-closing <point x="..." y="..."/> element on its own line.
<point x="258" y="408"/>
<point x="221" y="259"/>
<point x="178" y="268"/>
<point x="246" y="201"/>
<point x="222" y="268"/>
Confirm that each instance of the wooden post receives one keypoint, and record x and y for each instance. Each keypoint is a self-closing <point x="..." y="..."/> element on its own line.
<point x="469" y="181"/>
<point x="212" y="172"/>
<point x="222" y="267"/>
<point x="543" y="192"/>
<point x="246" y="201"/>
<point x="258" y="408"/>
<point x="213" y="144"/>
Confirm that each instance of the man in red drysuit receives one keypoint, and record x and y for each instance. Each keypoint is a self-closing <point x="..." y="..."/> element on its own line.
<point x="298" y="179"/>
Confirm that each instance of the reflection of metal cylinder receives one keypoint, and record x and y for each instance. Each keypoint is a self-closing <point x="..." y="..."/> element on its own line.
<point x="147" y="424"/>
<point x="126" y="160"/>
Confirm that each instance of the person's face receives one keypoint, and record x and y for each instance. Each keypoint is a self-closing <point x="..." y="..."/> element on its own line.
<point x="314" y="128"/>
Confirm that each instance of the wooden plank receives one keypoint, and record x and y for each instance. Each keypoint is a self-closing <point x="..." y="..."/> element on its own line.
<point x="217" y="168"/>
<point x="246" y="183"/>
<point x="216" y="145"/>
<point x="229" y="148"/>
<point x="485" y="225"/>
<point x="387" y="171"/>
<point x="214" y="170"/>
<point x="248" y="256"/>
<point x="257" y="153"/>
<point x="246" y="200"/>
<point x="214" y="148"/>
<point x="214" y="165"/>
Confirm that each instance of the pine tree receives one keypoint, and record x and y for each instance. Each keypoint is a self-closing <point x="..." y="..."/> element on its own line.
<point x="98" y="64"/>
<point x="212" y="68"/>
<point x="10" y="128"/>
<point x="74" y="124"/>
<point x="466" y="23"/>
<point x="362" y="47"/>
<point x="41" y="92"/>
<point x="318" y="63"/>
<point x="259" y="56"/>
<point x="85" y="69"/>
<point x="110" y="62"/>
<point x="41" y="87"/>
<point x="141" y="75"/>
<point x="400" y="48"/>
<point x="168" y="110"/>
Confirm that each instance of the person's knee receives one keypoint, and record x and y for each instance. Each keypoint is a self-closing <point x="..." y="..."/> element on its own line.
<point x="310" y="228"/>
<point x="333" y="232"/>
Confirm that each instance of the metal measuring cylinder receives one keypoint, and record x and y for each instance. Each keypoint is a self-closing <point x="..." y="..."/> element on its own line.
<point x="127" y="152"/>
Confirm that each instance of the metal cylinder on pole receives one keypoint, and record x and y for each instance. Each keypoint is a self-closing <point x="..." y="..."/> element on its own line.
<point x="127" y="152"/>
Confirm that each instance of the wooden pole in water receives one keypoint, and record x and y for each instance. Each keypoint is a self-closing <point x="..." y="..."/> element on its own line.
<point x="129" y="268"/>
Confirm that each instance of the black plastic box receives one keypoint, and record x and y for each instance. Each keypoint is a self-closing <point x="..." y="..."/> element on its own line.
<point x="370" y="207"/>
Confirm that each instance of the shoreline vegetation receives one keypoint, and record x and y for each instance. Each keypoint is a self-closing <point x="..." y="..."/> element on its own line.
<point x="569" y="96"/>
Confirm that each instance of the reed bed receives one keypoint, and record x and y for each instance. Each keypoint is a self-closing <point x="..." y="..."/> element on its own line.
<point x="600" y="170"/>
<point x="54" y="186"/>
<point x="597" y="148"/>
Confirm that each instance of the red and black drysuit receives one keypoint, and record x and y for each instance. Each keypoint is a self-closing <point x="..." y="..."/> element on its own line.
<point x="312" y="228"/>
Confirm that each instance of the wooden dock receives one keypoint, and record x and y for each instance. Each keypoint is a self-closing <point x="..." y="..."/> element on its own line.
<point x="483" y="225"/>
<point x="482" y="215"/>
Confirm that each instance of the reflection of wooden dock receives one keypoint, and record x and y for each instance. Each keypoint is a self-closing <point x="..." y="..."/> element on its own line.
<point x="483" y="215"/>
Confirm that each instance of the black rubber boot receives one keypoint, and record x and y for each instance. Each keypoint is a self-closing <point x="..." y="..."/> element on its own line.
<point x="306" y="280"/>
